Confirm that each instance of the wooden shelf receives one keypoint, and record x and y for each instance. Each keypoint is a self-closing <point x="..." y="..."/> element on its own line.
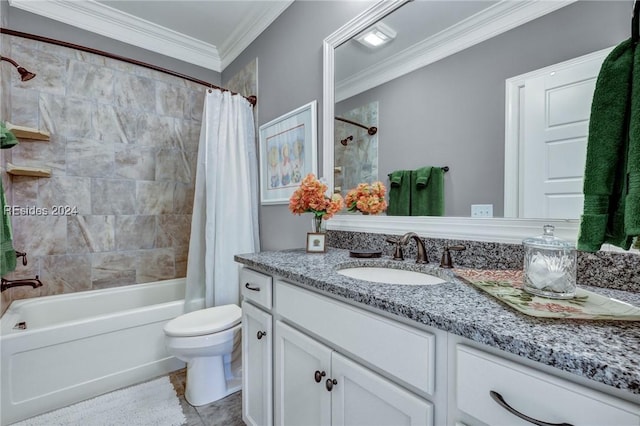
<point x="28" y="171"/>
<point x="22" y="132"/>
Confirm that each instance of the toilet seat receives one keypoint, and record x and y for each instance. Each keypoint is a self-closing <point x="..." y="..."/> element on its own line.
<point x="204" y="321"/>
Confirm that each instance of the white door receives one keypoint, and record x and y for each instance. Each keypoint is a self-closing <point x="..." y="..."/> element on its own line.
<point x="554" y="108"/>
<point x="362" y="397"/>
<point x="302" y="367"/>
<point x="257" y="378"/>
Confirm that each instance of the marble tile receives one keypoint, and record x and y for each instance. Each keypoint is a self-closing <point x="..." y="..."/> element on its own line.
<point x="113" y="269"/>
<point x="183" y="197"/>
<point x="245" y="81"/>
<point x="134" y="92"/>
<point x="90" y="82"/>
<point x="70" y="117"/>
<point x="50" y="68"/>
<point x="187" y="135"/>
<point x="155" y="131"/>
<point x="40" y="235"/>
<point x="113" y="197"/>
<point x="172" y="100"/>
<point x="39" y="153"/>
<point x="175" y="165"/>
<point x="181" y="258"/>
<point x="134" y="162"/>
<point x="114" y="124"/>
<point x="86" y="157"/>
<point x="135" y="232"/>
<point x="66" y="191"/>
<point x="66" y="273"/>
<point x="173" y="230"/>
<point x="197" y="104"/>
<point x="91" y="234"/>
<point x="24" y="191"/>
<point x="24" y="107"/>
<point x="154" y="197"/>
<point x="155" y="265"/>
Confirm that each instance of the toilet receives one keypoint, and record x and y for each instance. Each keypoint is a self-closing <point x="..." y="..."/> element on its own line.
<point x="205" y="340"/>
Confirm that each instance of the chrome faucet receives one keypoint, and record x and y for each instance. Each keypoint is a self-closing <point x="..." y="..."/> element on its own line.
<point x="403" y="241"/>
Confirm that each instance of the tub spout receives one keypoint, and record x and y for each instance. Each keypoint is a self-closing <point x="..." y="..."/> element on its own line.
<point x="7" y="284"/>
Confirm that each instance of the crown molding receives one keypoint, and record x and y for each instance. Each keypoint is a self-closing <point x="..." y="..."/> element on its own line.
<point x="248" y="30"/>
<point x="488" y="23"/>
<point x="109" y="22"/>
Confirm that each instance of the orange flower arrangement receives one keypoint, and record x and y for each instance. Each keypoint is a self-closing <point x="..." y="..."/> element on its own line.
<point x="368" y="199"/>
<point x="310" y="197"/>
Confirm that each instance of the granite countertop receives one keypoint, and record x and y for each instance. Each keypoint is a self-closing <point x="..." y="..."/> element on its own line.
<point x="604" y="351"/>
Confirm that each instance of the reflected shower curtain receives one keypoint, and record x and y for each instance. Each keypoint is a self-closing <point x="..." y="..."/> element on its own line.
<point x="225" y="210"/>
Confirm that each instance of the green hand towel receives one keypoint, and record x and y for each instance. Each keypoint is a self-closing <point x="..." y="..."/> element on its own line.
<point x="7" y="253"/>
<point x="605" y="170"/>
<point x="399" y="193"/>
<point x="7" y="139"/>
<point x="427" y="192"/>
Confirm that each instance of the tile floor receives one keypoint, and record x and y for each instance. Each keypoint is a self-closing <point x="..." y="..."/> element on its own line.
<point x="225" y="412"/>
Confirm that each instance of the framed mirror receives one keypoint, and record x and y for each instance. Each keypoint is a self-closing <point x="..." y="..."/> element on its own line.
<point x="455" y="35"/>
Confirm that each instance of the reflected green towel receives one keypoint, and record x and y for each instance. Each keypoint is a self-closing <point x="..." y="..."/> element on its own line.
<point x="7" y="139"/>
<point x="605" y="177"/>
<point x="632" y="201"/>
<point x="399" y="193"/>
<point x="427" y="192"/>
<point x="7" y="253"/>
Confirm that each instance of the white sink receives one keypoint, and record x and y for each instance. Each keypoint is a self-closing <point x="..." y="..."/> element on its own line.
<point x="391" y="276"/>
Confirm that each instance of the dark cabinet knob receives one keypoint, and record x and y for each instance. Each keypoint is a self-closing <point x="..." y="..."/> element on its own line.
<point x="261" y="334"/>
<point x="318" y="375"/>
<point x="330" y="383"/>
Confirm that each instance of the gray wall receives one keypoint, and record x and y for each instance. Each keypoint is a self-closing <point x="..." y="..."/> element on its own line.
<point x="289" y="56"/>
<point x="26" y="22"/>
<point x="452" y="112"/>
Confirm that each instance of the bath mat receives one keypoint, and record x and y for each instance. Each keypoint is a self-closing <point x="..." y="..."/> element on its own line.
<point x="152" y="403"/>
<point x="506" y="286"/>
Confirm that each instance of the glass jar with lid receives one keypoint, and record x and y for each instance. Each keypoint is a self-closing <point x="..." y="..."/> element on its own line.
<point x="549" y="266"/>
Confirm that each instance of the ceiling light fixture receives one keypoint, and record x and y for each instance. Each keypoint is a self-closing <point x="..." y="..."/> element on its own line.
<point x="377" y="35"/>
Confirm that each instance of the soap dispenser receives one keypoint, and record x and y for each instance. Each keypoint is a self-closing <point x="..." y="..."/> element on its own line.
<point x="549" y="266"/>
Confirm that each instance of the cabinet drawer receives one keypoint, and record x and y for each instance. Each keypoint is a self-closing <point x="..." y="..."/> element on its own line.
<point x="401" y="351"/>
<point x="256" y="287"/>
<point x="532" y="393"/>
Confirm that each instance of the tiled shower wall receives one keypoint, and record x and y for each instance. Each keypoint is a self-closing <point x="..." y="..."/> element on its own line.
<point x="123" y="151"/>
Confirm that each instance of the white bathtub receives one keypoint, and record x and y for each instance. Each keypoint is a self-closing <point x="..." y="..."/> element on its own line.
<point x="80" y="345"/>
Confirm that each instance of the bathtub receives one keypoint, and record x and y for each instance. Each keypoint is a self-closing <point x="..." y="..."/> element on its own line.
<point x="80" y="345"/>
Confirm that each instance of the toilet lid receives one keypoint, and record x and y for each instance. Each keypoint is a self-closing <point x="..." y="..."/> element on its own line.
<point x="204" y="321"/>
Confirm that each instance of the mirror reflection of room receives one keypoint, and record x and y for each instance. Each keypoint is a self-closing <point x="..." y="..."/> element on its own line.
<point x="452" y="111"/>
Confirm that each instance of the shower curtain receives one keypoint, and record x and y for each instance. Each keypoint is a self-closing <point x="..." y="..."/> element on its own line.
<point x="225" y="210"/>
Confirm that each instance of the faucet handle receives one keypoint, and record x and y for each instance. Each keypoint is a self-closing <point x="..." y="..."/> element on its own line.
<point x="446" y="262"/>
<point x="397" y="253"/>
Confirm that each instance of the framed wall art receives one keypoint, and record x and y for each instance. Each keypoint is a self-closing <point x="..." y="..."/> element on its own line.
<point x="288" y="152"/>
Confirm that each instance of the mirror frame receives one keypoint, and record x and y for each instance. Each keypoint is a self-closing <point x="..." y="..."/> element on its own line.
<point x="501" y="230"/>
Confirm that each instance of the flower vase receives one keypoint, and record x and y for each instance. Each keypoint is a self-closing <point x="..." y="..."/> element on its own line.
<point x="317" y="225"/>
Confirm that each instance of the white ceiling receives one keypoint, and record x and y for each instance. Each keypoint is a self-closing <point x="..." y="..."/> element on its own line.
<point x="208" y="33"/>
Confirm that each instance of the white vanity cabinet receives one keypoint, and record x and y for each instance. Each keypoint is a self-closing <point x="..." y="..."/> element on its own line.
<point x="319" y="383"/>
<point x="496" y="391"/>
<point x="257" y="348"/>
<point x="316" y="385"/>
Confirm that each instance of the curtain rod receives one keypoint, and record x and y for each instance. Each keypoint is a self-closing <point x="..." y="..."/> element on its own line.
<point x="253" y="100"/>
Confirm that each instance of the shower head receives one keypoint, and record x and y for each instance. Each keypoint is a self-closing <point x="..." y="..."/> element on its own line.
<point x="24" y="74"/>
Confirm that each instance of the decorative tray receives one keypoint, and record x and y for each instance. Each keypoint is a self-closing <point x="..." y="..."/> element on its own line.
<point x="506" y="286"/>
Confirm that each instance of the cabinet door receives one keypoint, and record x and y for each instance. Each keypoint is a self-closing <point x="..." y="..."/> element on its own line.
<point x="301" y="398"/>
<point x="257" y="377"/>
<point x="362" y="397"/>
